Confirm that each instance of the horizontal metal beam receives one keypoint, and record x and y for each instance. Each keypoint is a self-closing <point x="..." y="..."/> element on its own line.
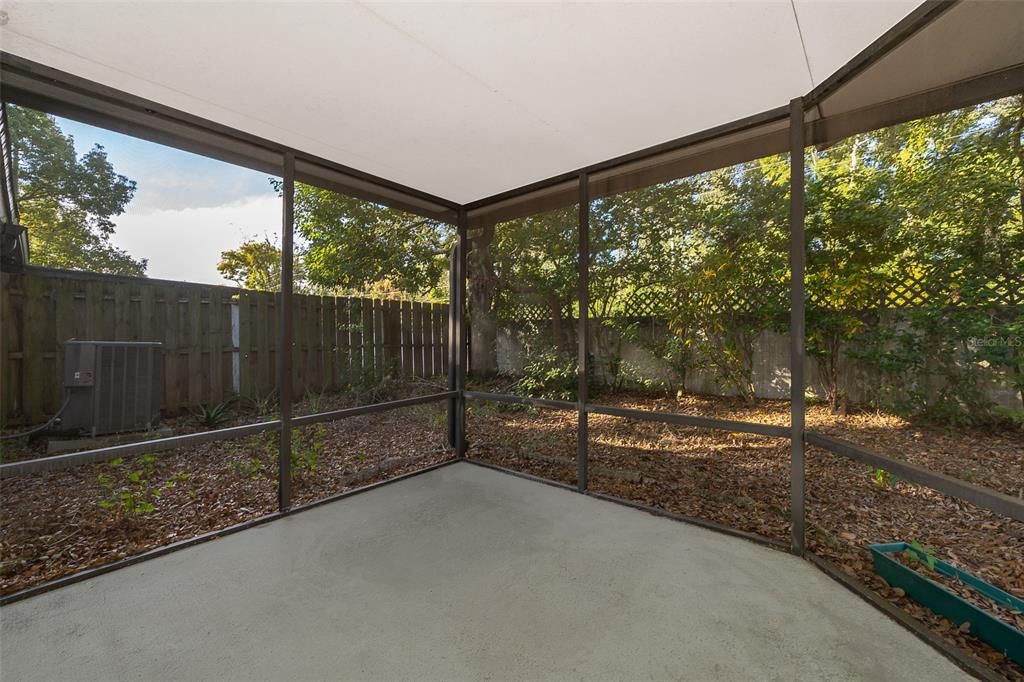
<point x="57" y="92"/>
<point x="985" y="498"/>
<point x="984" y="88"/>
<point x="199" y="539"/>
<point x="603" y="168"/>
<point x="766" y="135"/>
<point x="692" y="420"/>
<point x="335" y="415"/>
<point x="33" y="466"/>
<point x="703" y="523"/>
<point x="520" y="400"/>
<point x="319" y="175"/>
<point x="520" y="474"/>
<point x="924" y="14"/>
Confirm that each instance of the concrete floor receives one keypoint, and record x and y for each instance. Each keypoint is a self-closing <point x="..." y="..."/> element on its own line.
<point x="463" y="573"/>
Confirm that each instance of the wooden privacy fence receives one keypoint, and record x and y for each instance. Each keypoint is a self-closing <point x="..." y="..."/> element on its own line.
<point x="217" y="341"/>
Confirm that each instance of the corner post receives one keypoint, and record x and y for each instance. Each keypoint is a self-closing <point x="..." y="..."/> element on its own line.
<point x="583" y="333"/>
<point x="284" y="336"/>
<point x="797" y="328"/>
<point x="460" y="337"/>
<point x="453" y="403"/>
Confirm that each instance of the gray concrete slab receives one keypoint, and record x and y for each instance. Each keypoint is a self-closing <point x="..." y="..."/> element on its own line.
<point x="463" y="573"/>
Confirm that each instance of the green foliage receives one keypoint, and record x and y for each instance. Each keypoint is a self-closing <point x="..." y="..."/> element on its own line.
<point x="550" y="372"/>
<point x="307" y="446"/>
<point x="933" y="204"/>
<point x="250" y="467"/>
<point x="1009" y="415"/>
<point x="882" y="478"/>
<point x="918" y="554"/>
<point x="213" y="416"/>
<point x="67" y="202"/>
<point x="256" y="265"/>
<point x="675" y="352"/>
<point x="355" y="245"/>
<point x="314" y="399"/>
<point x="130" y="492"/>
<point x="264" y="405"/>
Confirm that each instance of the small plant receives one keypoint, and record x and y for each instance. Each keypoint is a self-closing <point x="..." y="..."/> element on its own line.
<point x="249" y="467"/>
<point x="919" y="554"/>
<point x="306" y="449"/>
<point x="883" y="478"/>
<point x="315" y="399"/>
<point x="131" y="494"/>
<point x="213" y="416"/>
<point x="265" y="405"/>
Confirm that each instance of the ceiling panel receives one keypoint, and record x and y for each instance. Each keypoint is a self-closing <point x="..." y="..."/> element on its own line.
<point x="459" y="100"/>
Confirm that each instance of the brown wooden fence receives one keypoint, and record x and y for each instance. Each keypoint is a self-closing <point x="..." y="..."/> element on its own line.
<point x="217" y="341"/>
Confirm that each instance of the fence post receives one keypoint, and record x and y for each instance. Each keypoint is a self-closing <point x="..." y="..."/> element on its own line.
<point x="796" y="322"/>
<point x="583" y="332"/>
<point x="284" y="335"/>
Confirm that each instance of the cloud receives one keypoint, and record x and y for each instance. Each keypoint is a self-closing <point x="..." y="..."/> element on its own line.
<point x="169" y="178"/>
<point x="185" y="244"/>
<point x="180" y="187"/>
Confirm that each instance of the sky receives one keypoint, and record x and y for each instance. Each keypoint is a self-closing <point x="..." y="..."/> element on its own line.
<point x="187" y="208"/>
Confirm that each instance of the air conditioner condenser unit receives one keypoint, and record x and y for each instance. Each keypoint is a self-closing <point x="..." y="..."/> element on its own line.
<point x="113" y="386"/>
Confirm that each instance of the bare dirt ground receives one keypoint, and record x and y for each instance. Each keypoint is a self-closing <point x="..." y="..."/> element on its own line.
<point x="742" y="481"/>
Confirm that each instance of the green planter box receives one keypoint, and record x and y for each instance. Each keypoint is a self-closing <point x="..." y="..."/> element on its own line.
<point x="984" y="625"/>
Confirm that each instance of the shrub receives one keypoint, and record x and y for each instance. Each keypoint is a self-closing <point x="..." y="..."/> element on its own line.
<point x="550" y="373"/>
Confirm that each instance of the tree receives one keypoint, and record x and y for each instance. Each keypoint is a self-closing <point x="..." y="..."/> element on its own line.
<point x="256" y="265"/>
<point x="66" y="201"/>
<point x="356" y="245"/>
<point x="932" y="205"/>
<point x="531" y="260"/>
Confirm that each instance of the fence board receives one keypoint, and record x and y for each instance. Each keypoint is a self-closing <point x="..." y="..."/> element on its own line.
<point x="337" y="340"/>
<point x="215" y="342"/>
<point x="417" y="339"/>
<point x="342" y="307"/>
<point x="33" y="363"/>
<point x="330" y="342"/>
<point x="269" y="332"/>
<point x="367" y="322"/>
<point x="379" y="370"/>
<point x="194" y="346"/>
<point x="432" y="359"/>
<point x="315" y="376"/>
<point x="11" y="308"/>
<point x="428" y="339"/>
<point x="442" y="333"/>
<point x="406" y="320"/>
<point x="392" y="337"/>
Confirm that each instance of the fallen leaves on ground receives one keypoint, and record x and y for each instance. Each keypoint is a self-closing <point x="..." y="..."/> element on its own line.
<point x="51" y="524"/>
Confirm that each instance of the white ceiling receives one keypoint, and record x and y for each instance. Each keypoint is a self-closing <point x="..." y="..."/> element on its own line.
<point x="459" y="100"/>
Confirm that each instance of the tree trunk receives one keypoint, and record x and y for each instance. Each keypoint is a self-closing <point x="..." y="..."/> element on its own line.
<point x="481" y="284"/>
